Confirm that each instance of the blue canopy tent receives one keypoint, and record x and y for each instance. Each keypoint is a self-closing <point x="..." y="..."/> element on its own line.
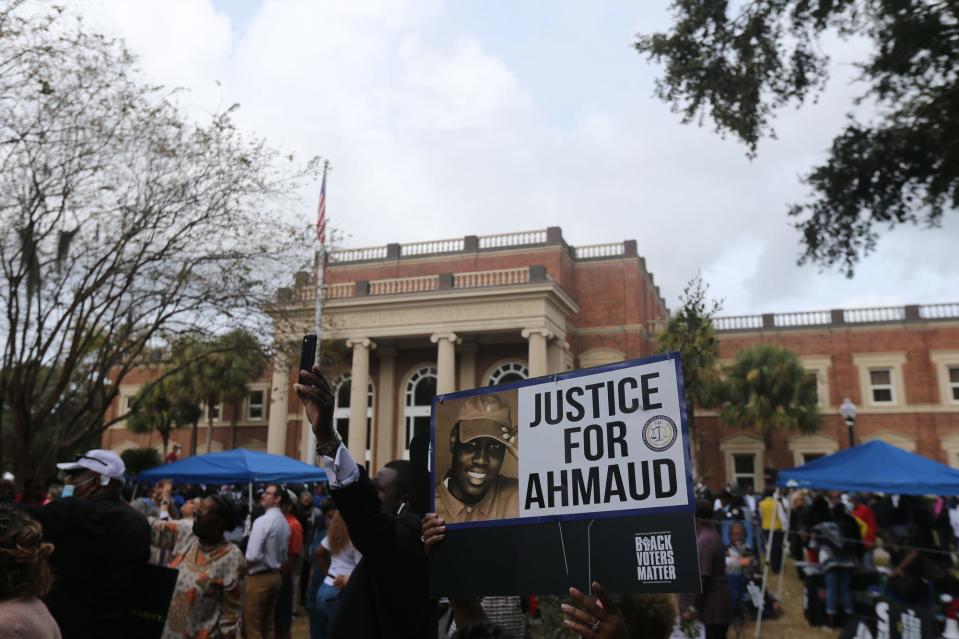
<point x="875" y="467"/>
<point x="239" y="466"/>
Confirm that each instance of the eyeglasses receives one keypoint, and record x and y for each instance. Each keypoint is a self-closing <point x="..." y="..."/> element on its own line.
<point x="99" y="461"/>
<point x="264" y="493"/>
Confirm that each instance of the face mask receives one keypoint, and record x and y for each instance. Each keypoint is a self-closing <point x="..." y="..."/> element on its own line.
<point x="69" y="489"/>
<point x="203" y="531"/>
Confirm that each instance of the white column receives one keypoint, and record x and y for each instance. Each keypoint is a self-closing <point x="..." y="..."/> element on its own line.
<point x="538" y="364"/>
<point x="445" y="361"/>
<point x="555" y="355"/>
<point x="467" y="366"/>
<point x="359" y="387"/>
<point x="279" y="407"/>
<point x="384" y="442"/>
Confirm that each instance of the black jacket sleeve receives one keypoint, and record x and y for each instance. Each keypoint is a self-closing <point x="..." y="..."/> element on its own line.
<point x="374" y="531"/>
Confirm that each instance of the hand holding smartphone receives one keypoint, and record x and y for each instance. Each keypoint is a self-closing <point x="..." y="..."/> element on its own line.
<point x="308" y="353"/>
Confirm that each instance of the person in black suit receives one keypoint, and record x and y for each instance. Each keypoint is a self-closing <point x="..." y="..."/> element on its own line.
<point x="387" y="594"/>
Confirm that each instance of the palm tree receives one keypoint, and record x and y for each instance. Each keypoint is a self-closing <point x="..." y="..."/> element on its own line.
<point x="767" y="388"/>
<point x="217" y="374"/>
<point x="163" y="409"/>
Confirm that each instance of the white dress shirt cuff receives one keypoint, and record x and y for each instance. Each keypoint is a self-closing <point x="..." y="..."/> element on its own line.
<point x="344" y="469"/>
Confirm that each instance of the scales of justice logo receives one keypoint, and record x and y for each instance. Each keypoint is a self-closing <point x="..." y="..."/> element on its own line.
<point x="659" y="433"/>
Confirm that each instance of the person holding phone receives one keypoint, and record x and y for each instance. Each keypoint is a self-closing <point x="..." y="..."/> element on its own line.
<point x="388" y="592"/>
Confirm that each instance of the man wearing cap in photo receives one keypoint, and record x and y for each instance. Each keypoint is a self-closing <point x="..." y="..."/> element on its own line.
<point x="474" y="489"/>
<point x="100" y="546"/>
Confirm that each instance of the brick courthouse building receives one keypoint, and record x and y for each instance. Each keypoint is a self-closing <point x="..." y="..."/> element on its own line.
<point x="437" y="316"/>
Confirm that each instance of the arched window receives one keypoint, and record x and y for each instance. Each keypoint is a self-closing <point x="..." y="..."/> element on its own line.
<point x="420" y="390"/>
<point x="341" y="414"/>
<point x="508" y="372"/>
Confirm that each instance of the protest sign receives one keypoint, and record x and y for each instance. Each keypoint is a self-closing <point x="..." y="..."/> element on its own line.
<point x="560" y="480"/>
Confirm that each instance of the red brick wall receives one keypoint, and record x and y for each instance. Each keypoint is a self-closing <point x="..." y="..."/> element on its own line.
<point x="926" y="423"/>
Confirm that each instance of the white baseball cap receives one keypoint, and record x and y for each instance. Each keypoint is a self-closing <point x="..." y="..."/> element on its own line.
<point x="105" y="463"/>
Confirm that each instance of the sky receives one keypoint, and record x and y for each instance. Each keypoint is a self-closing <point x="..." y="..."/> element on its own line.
<point x="443" y="119"/>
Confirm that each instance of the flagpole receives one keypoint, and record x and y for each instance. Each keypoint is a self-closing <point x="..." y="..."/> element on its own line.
<point x="318" y="308"/>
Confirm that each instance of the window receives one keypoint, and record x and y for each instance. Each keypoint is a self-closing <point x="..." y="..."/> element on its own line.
<point x="880" y="385"/>
<point x="744" y="459"/>
<point x="744" y="470"/>
<point x="341" y="412"/>
<point x="817" y="367"/>
<point x="806" y="448"/>
<point x="880" y="380"/>
<point x="947" y="373"/>
<point x="254" y="405"/>
<point x="418" y="401"/>
<point x="508" y="372"/>
<point x="813" y="377"/>
<point x="212" y="412"/>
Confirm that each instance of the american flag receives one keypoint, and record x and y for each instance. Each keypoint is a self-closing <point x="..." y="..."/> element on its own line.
<point x="321" y="212"/>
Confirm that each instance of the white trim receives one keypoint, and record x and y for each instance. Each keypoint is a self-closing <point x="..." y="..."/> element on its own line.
<point x="944" y="360"/>
<point x="819" y="365"/>
<point x="895" y="439"/>
<point x="125" y="394"/>
<point x="867" y="362"/>
<point x="217" y="420"/>
<point x="343" y="412"/>
<point x="412" y="411"/>
<point x="950" y="445"/>
<point x="811" y="444"/>
<point x="503" y="364"/>
<point x="261" y="387"/>
<point x="599" y="356"/>
<point x="745" y="445"/>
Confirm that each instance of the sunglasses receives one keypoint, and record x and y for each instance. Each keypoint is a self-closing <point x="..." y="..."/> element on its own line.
<point x="99" y="461"/>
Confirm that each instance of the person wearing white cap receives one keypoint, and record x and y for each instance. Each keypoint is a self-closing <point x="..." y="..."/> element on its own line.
<point x="100" y="546"/>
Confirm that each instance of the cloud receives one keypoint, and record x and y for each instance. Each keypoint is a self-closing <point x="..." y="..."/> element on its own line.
<point x="444" y="119"/>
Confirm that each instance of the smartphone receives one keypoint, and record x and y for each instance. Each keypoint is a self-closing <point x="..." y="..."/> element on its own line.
<point x="308" y="353"/>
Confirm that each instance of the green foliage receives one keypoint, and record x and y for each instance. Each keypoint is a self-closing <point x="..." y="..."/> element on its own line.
<point x="159" y="407"/>
<point x="128" y="223"/>
<point x="690" y="333"/>
<point x="138" y="460"/>
<point x="739" y="63"/>
<point x="768" y="389"/>
<point x="216" y="370"/>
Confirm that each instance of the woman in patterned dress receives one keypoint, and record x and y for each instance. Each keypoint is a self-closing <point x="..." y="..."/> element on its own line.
<point x="209" y="589"/>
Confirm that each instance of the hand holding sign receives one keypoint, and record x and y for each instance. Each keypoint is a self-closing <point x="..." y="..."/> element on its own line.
<point x="594" y="618"/>
<point x="433" y="529"/>
<point x="589" y="468"/>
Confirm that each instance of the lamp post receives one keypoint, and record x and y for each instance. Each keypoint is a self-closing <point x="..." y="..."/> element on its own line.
<point x="848" y="411"/>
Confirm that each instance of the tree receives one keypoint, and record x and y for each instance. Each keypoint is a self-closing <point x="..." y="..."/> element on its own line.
<point x="768" y="389"/>
<point x="217" y="374"/>
<point x="128" y="225"/>
<point x="138" y="460"/>
<point x="158" y="408"/>
<point x="739" y="63"/>
<point x="690" y="333"/>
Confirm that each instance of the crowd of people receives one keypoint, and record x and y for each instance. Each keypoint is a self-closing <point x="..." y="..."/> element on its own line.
<point x="832" y="538"/>
<point x="354" y="554"/>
